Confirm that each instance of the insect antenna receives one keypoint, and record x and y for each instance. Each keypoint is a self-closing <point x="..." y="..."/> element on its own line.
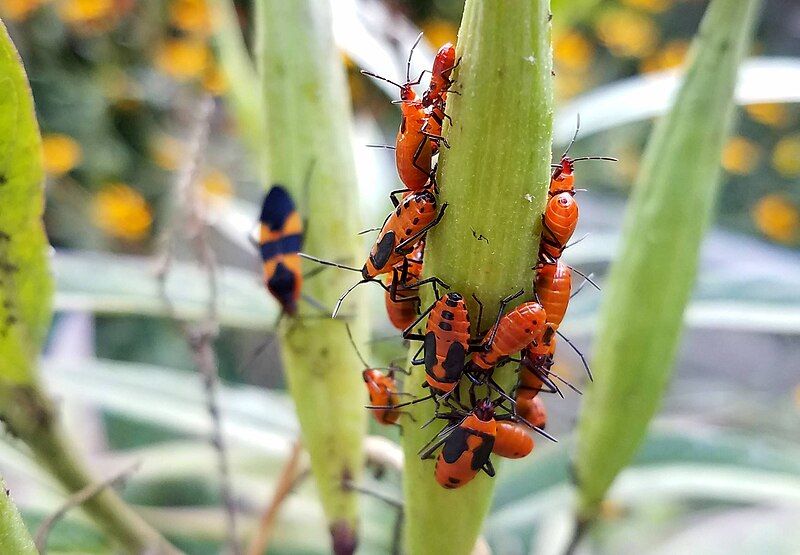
<point x="327" y="262"/>
<point x="355" y="347"/>
<point x="376" y="76"/>
<point x="410" y="55"/>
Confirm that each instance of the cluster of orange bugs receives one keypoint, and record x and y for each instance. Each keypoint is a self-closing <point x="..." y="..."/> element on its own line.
<point x="450" y="352"/>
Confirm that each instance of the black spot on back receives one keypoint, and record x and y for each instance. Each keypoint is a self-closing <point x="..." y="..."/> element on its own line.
<point x="430" y="353"/>
<point x="454" y="362"/>
<point x="445" y="326"/>
<point x="383" y="251"/>
<point x="455" y="446"/>
<point x="447" y="315"/>
<point x="481" y="454"/>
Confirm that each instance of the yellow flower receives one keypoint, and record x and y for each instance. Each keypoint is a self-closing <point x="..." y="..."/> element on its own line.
<point x="215" y="81"/>
<point x="786" y="156"/>
<point x="167" y="152"/>
<point x="652" y="6"/>
<point x="439" y="31"/>
<point x="61" y="154"/>
<point x="18" y="10"/>
<point x="740" y="156"/>
<point x="216" y="185"/>
<point x="626" y="33"/>
<point x="85" y="11"/>
<point x="191" y="16"/>
<point x="673" y="54"/>
<point x="569" y="84"/>
<point x="573" y="51"/>
<point x="774" y="115"/>
<point x="777" y="218"/>
<point x="183" y="59"/>
<point x="122" y="212"/>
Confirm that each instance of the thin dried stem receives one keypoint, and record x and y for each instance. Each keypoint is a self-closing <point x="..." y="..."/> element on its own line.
<point x="77" y="499"/>
<point x="190" y="212"/>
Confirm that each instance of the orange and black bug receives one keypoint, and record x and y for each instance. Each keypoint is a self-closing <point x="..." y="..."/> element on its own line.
<point x="522" y="326"/>
<point x="280" y="238"/>
<point x="445" y="342"/>
<point x="468" y="442"/>
<point x="382" y="389"/>
<point x="563" y="178"/>
<point x="559" y="221"/>
<point x="404" y="282"/>
<point x="413" y="146"/>
<point x="512" y="440"/>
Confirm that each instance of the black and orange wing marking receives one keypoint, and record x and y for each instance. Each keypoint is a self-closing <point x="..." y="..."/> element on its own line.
<point x="280" y="240"/>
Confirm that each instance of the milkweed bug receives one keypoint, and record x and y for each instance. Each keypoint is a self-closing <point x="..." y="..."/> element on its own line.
<point x="404" y="281"/>
<point x="468" y="442"/>
<point x="559" y="221"/>
<point x="512" y="440"/>
<point x="413" y="149"/>
<point x="563" y="178"/>
<point x="443" y="65"/>
<point x="531" y="408"/>
<point x="403" y="228"/>
<point x="382" y="388"/>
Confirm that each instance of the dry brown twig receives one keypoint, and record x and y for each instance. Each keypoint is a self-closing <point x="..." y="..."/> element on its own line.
<point x="76" y="499"/>
<point x="189" y="216"/>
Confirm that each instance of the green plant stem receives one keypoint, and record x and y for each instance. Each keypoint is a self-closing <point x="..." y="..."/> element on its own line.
<point x="14" y="536"/>
<point x="307" y="133"/>
<point x="650" y="283"/>
<point x="494" y="179"/>
<point x="32" y="419"/>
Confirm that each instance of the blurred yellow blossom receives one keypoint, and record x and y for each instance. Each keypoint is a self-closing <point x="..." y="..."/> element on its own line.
<point x="214" y="80"/>
<point x="671" y="55"/>
<point x="774" y="115"/>
<point x="18" y="10"/>
<point x="85" y="11"/>
<point x="122" y="212"/>
<point x="167" y="152"/>
<point x="439" y="31"/>
<point x="192" y="16"/>
<point x="216" y="185"/>
<point x="183" y="58"/>
<point x="568" y="84"/>
<point x="61" y="153"/>
<point x="777" y="218"/>
<point x="740" y="156"/>
<point x="652" y="6"/>
<point x="626" y="33"/>
<point x="572" y="50"/>
<point x="786" y="156"/>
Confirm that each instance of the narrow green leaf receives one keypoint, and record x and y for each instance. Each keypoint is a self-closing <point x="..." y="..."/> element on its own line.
<point x="25" y="283"/>
<point x="650" y="284"/>
<point x="307" y="113"/>
<point x="14" y="537"/>
<point x="494" y="179"/>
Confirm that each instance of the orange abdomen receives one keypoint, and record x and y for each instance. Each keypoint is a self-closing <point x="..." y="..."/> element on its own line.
<point x="382" y="391"/>
<point x="560" y="220"/>
<point x="446" y="342"/>
<point x="553" y="287"/>
<point x="512" y="441"/>
<point x="531" y="408"/>
<point x="515" y="331"/>
<point x="413" y="149"/>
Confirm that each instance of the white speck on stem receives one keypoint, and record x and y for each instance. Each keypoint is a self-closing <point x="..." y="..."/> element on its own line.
<point x="528" y="197"/>
<point x="530" y="59"/>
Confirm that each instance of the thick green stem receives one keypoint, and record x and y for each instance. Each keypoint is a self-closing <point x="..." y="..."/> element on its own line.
<point x="494" y="179"/>
<point x="29" y="415"/>
<point x="307" y="114"/>
<point x="14" y="537"/>
<point x="650" y="282"/>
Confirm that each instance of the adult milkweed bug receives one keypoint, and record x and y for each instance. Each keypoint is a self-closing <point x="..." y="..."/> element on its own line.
<point x="403" y="228"/>
<point x="468" y="442"/>
<point x="382" y="388"/>
<point x="559" y="221"/>
<point x="512" y="440"/>
<point x="413" y="148"/>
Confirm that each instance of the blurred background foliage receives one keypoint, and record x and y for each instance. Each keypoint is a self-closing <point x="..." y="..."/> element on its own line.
<point x="116" y="83"/>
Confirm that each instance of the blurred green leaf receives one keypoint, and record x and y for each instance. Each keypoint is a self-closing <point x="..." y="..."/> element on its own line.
<point x="113" y="284"/>
<point x="25" y="282"/>
<point x="650" y="284"/>
<point x="14" y="537"/>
